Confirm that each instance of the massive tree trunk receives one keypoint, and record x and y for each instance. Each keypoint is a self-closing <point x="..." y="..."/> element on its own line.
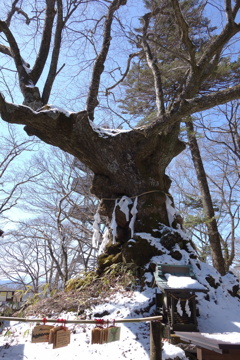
<point x="125" y="163"/>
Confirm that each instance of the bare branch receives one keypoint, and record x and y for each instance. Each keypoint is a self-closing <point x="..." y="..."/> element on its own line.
<point x="7" y="200"/>
<point x="31" y="94"/>
<point x="92" y="101"/>
<point x="20" y="11"/>
<point x="130" y="57"/>
<point x="236" y="8"/>
<point x="216" y="46"/>
<point x="11" y="12"/>
<point x="229" y="12"/>
<point x="152" y="63"/>
<point x="209" y="60"/>
<point x="14" y="50"/>
<point x="5" y="50"/>
<point x="45" y="43"/>
<point x="208" y="101"/>
<point x="184" y="30"/>
<point x="55" y="55"/>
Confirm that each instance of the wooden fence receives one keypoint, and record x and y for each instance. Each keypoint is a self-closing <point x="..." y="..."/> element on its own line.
<point x="155" y="329"/>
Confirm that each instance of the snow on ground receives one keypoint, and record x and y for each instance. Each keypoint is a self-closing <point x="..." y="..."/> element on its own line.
<point x="134" y="340"/>
<point x="219" y="318"/>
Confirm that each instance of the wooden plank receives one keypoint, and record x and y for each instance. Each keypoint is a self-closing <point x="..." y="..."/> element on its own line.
<point x="208" y="343"/>
<point x="205" y="354"/>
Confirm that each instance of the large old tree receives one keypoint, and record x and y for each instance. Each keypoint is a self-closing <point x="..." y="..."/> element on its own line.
<point x="128" y="163"/>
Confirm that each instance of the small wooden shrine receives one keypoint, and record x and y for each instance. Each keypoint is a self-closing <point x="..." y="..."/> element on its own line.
<point x="176" y="302"/>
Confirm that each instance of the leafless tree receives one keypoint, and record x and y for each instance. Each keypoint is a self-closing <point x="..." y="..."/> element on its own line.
<point x="216" y="161"/>
<point x="15" y="169"/>
<point x="59" y="232"/>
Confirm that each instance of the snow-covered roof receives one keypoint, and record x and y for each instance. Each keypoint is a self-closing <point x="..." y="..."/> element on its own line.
<point x="183" y="282"/>
<point x="177" y="278"/>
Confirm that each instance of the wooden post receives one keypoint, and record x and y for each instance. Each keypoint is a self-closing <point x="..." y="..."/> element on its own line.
<point x="155" y="341"/>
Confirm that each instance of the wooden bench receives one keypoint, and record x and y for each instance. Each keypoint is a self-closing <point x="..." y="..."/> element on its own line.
<point x="209" y="348"/>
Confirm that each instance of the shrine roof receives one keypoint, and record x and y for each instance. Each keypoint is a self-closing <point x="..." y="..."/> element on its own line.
<point x="177" y="278"/>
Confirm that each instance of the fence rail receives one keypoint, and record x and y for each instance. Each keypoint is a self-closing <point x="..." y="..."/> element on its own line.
<point x="153" y="318"/>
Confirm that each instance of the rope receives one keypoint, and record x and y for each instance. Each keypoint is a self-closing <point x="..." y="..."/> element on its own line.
<point x="133" y="197"/>
<point x="176" y="298"/>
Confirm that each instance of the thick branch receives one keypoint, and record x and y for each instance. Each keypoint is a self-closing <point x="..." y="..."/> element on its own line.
<point x="192" y="106"/>
<point x="229" y="12"/>
<point x="184" y="30"/>
<point x="92" y="101"/>
<point x="156" y="76"/>
<point x="45" y="43"/>
<point x="216" y="46"/>
<point x="55" y="55"/>
<point x="209" y="60"/>
<point x="236" y="8"/>
<point x="152" y="63"/>
<point x="31" y="94"/>
<point x="70" y="132"/>
<point x="206" y="102"/>
<point x="15" y="52"/>
<point x="5" y="50"/>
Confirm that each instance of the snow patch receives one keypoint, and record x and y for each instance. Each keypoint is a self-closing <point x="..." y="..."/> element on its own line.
<point x="182" y="282"/>
<point x="96" y="231"/>
<point x="170" y="210"/>
<point x="233" y="337"/>
<point x="172" y="352"/>
<point x="134" y="214"/>
<point x="54" y="110"/>
<point x="124" y="204"/>
<point x="105" y="240"/>
<point x="106" y="133"/>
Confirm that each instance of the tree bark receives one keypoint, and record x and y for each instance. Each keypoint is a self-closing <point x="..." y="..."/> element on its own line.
<point x="211" y="223"/>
